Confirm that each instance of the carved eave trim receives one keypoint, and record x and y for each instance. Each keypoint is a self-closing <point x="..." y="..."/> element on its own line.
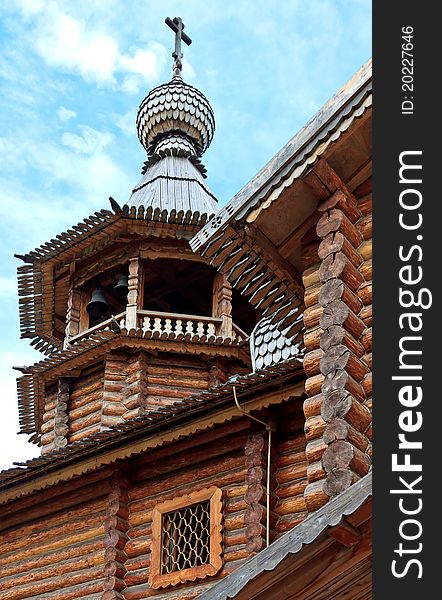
<point x="31" y="385"/>
<point x="290" y="162"/>
<point x="251" y="266"/>
<point x="164" y="426"/>
<point x="36" y="279"/>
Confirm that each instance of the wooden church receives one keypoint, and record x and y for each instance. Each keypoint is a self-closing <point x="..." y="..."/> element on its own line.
<point x="203" y="401"/>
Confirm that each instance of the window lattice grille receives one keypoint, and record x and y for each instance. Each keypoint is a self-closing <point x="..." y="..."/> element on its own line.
<point x="186" y="538"/>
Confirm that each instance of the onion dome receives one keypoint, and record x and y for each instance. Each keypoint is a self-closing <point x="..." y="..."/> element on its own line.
<point x="175" y="107"/>
<point x="175" y="125"/>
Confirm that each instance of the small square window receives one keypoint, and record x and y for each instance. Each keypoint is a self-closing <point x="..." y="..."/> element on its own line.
<point x="186" y="538"/>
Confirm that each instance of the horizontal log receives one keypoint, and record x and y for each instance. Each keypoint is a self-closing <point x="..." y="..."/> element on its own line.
<point x="289" y="458"/>
<point x="338" y="266"/>
<point x="292" y="443"/>
<point x="312" y="338"/>
<point x="312" y="315"/>
<point x="314" y="427"/>
<point x="313" y="385"/>
<point x="336" y="221"/>
<point x="366" y="249"/>
<point x="312" y="406"/>
<point x="85" y="422"/>
<point x="290" y="506"/>
<point x="311" y="294"/>
<point x="315" y="496"/>
<point x="337" y="335"/>
<point x="195" y="456"/>
<point x="367" y="384"/>
<point x="366" y="270"/>
<point x="236" y="520"/>
<point x="310" y="276"/>
<point x="309" y="254"/>
<point x="138" y="547"/>
<point x="315" y="472"/>
<point x="291" y="488"/>
<point x="367" y="339"/>
<point x="366" y="315"/>
<point x="234" y="473"/>
<point x="345" y="202"/>
<point x="312" y="361"/>
<point x="62" y="568"/>
<point x="53" y="584"/>
<point x="291" y="473"/>
<point x="365" y="226"/>
<point x="340" y="404"/>
<point x="315" y="449"/>
<point x="87" y="409"/>
<point x="289" y="521"/>
<point x="336" y="242"/>
<point x="335" y="289"/>
<point x="365" y="293"/>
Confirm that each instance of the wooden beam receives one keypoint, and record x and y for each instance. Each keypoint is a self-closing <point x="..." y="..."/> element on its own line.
<point x="258" y="238"/>
<point x="345" y="534"/>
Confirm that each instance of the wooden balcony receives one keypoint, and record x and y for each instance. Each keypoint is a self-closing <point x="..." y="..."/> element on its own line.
<point x="169" y="326"/>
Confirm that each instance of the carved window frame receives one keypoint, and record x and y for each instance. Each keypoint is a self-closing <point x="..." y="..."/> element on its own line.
<point x="158" y="579"/>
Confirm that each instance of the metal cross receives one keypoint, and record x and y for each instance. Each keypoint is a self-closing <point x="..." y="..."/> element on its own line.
<point x="177" y="26"/>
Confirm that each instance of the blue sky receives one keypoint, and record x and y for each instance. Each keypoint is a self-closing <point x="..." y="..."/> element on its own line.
<point x="73" y="75"/>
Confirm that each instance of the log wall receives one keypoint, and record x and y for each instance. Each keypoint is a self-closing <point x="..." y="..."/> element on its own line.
<point x="337" y="319"/>
<point x="85" y="404"/>
<point x="53" y="544"/>
<point x="215" y="458"/>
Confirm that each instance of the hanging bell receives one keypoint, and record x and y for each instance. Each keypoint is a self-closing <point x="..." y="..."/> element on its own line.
<point x="122" y="287"/>
<point x="97" y="308"/>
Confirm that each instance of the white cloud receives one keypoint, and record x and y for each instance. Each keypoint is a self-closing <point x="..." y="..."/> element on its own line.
<point x="65" y="114"/>
<point x="90" y="142"/>
<point x="126" y="122"/>
<point x="74" y="46"/>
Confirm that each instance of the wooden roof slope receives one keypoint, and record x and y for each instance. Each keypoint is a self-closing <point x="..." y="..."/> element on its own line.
<point x="236" y="247"/>
<point x="281" y="564"/>
<point x="249" y="387"/>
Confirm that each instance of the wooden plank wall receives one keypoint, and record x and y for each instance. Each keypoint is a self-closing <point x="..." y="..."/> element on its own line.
<point x="53" y="546"/>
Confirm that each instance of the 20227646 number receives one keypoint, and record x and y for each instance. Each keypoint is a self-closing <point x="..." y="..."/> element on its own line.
<point x="407" y="64"/>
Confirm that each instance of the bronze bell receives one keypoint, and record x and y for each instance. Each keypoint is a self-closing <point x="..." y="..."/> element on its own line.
<point x="122" y="287"/>
<point x="97" y="308"/>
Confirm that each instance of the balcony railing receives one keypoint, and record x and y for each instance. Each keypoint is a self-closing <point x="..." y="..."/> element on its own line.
<point x="170" y="326"/>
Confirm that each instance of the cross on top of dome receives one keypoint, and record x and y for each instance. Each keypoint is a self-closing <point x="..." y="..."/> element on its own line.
<point x="177" y="25"/>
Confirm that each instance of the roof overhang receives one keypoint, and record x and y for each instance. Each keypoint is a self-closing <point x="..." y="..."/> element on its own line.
<point x="255" y="391"/>
<point x="255" y="238"/>
<point x="43" y="283"/>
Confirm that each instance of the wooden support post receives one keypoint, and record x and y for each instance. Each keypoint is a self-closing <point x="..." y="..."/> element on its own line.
<point x="61" y="419"/>
<point x="115" y="526"/>
<point x="135" y="293"/>
<point x="222" y="303"/>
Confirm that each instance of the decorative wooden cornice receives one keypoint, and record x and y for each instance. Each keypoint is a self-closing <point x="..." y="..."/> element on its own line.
<point x="255" y="390"/>
<point x="36" y="279"/>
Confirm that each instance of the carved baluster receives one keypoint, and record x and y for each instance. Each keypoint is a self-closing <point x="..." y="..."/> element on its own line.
<point x="189" y="330"/>
<point x="179" y="330"/>
<point x="157" y="328"/>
